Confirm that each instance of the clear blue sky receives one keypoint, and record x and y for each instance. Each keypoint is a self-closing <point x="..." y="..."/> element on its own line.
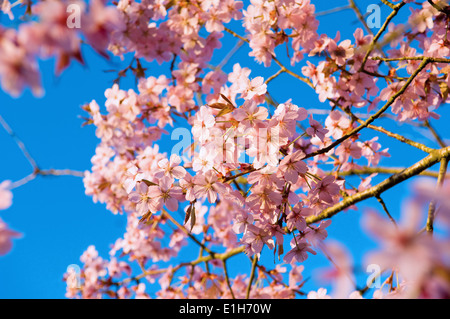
<point x="59" y="221"/>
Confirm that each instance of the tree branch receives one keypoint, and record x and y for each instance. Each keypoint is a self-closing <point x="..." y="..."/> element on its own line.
<point x="373" y="117"/>
<point x="383" y="28"/>
<point x="440" y="182"/>
<point x="374" y="191"/>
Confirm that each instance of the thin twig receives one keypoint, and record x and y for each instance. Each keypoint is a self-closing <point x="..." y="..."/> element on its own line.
<point x="383" y="204"/>
<point x="19" y="143"/>
<point x="372" y="118"/>
<point x="334" y="10"/>
<point x="229" y="55"/>
<point x="252" y="276"/>
<point x="432" y="207"/>
<point x="383" y="28"/>
<point x="227" y="278"/>
<point x="434" y="133"/>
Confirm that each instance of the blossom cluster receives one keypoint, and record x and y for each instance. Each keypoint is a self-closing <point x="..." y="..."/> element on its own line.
<point x="49" y="35"/>
<point x="254" y="174"/>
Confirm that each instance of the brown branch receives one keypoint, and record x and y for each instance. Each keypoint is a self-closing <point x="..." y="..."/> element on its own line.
<point x="227" y="278"/>
<point x="373" y="117"/>
<point x="383" y="28"/>
<point x="274" y="76"/>
<point x="389" y="4"/>
<point x="440" y="182"/>
<point x="334" y="10"/>
<point x="252" y="276"/>
<point x="398" y="137"/>
<point x="374" y="191"/>
<point x="283" y="68"/>
<point x="367" y="170"/>
<point x="45" y="173"/>
<point x="295" y="75"/>
<point x="60" y="172"/>
<point x="412" y="58"/>
<point x="383" y="204"/>
<point x="434" y="133"/>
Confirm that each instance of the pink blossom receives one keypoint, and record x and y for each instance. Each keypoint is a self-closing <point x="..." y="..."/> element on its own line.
<point x="142" y="198"/>
<point x="165" y="194"/>
<point x="403" y="248"/>
<point x="255" y="87"/>
<point x="326" y="189"/>
<point x="299" y="251"/>
<point x="5" y="195"/>
<point x="320" y="294"/>
<point x="170" y="168"/>
<point x="292" y="167"/>
<point x="255" y="238"/>
<point x="99" y="23"/>
<point x="187" y="183"/>
<point x="6" y="235"/>
<point x="296" y="217"/>
<point x="207" y="185"/>
<point x="316" y="129"/>
<point x="249" y="114"/>
<point x="316" y="235"/>
<point x="203" y="121"/>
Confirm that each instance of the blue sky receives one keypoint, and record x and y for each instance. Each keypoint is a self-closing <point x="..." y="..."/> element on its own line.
<point x="59" y="221"/>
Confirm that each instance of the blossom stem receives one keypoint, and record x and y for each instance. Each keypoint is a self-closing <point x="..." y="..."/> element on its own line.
<point x="187" y="233"/>
<point x="383" y="204"/>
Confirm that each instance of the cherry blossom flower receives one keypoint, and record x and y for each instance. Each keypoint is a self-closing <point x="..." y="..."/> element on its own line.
<point x="320" y="294"/>
<point x="403" y="248"/>
<point x="207" y="185"/>
<point x="299" y="251"/>
<point x="5" y="195"/>
<point x="255" y="238"/>
<point x="165" y="194"/>
<point x="142" y="198"/>
<point x="325" y="189"/>
<point x="170" y="168"/>
<point x="316" y="129"/>
<point x="99" y="23"/>
<point x="249" y="114"/>
<point x="292" y="167"/>
<point x="255" y="87"/>
<point x="203" y="121"/>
